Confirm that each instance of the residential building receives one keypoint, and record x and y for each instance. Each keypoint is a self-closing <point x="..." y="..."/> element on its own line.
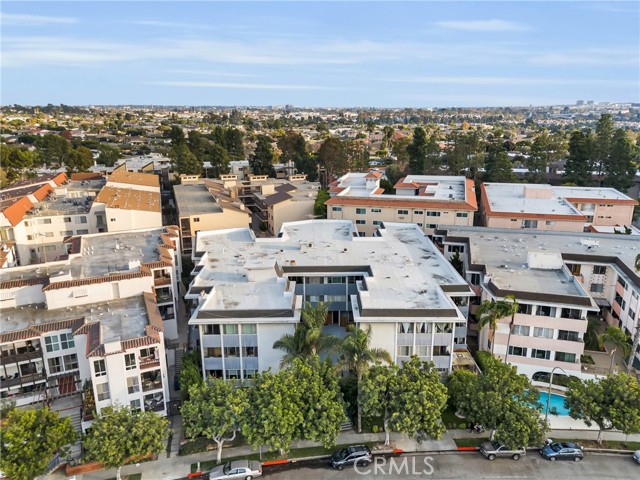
<point x="558" y="279"/>
<point x="248" y="292"/>
<point x="202" y="205"/>
<point x="427" y="201"/>
<point x="546" y="207"/>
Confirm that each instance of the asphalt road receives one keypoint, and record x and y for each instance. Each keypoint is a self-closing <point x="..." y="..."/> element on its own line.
<point x="470" y="465"/>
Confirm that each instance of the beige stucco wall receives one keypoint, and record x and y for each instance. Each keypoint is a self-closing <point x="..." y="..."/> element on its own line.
<point x="558" y="226"/>
<point x="121" y="220"/>
<point x="219" y="221"/>
<point x="290" y="211"/>
<point x="613" y="215"/>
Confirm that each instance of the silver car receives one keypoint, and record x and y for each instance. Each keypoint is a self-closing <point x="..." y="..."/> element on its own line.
<point x="236" y="470"/>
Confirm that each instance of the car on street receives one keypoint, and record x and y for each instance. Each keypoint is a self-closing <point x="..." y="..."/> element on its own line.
<point x="236" y="470"/>
<point x="562" y="451"/>
<point x="636" y="456"/>
<point x="492" y="449"/>
<point x="359" y="454"/>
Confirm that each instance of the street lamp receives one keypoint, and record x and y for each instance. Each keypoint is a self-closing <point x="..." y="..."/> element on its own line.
<point x="546" y="413"/>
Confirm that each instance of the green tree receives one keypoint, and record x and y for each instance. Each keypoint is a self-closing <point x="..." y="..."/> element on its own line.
<point x="190" y="373"/>
<point x="108" y="155"/>
<point x="546" y="148"/>
<point x="410" y="398"/>
<point x="498" y="166"/>
<point x="332" y="157"/>
<point x="459" y="384"/>
<point x="491" y="311"/>
<point x="30" y="439"/>
<point x="579" y="164"/>
<point x="214" y="410"/>
<point x="356" y="154"/>
<point x="399" y="148"/>
<point x="621" y="165"/>
<point x="308" y="338"/>
<point x="218" y="157"/>
<point x="120" y="433"/>
<point x="417" y="151"/>
<point x="53" y="149"/>
<point x="504" y="401"/>
<point x="617" y="338"/>
<point x="233" y="144"/>
<point x="79" y="160"/>
<point x="319" y="207"/>
<point x="602" y="150"/>
<point x="612" y="402"/>
<point x="356" y="355"/>
<point x="185" y="162"/>
<point x="176" y="134"/>
<point x="263" y="158"/>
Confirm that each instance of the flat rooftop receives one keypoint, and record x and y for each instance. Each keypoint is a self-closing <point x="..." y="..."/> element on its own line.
<point x="407" y="270"/>
<point x="529" y="199"/>
<point x="119" y="319"/>
<point x="194" y="199"/>
<point x="595" y="193"/>
<point x="504" y="252"/>
<point x="100" y="254"/>
<point x="438" y="187"/>
<point x="74" y="198"/>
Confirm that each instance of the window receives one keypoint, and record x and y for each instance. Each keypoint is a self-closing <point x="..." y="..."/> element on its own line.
<point x="568" y="335"/>
<point x="404" y="350"/>
<point x="529" y="224"/>
<point x="51" y="343"/>
<point x="455" y="248"/>
<point x="135" y="405"/>
<point x="82" y="219"/>
<point x="196" y="219"/>
<point x="133" y="384"/>
<point x="230" y="329"/>
<point x="103" y="391"/>
<point x="543" y="332"/>
<point x="231" y="351"/>
<point x="130" y="361"/>
<point x="403" y="212"/>
<point x="565" y="357"/>
<point x="418" y="212"/>
<point x="377" y="223"/>
<point x="550" y="222"/>
<point x="462" y="214"/>
<point x="361" y="211"/>
<point x="444" y="327"/>
<point x="632" y="313"/>
<point x="518" y="351"/>
<point x="55" y="365"/>
<point x="475" y="279"/>
<point x="99" y="368"/>
<point x="67" y="219"/>
<point x="249" y="372"/>
<point x="45" y="221"/>
<point x="405" y="327"/>
<point x="66" y="341"/>
<point x="546" y="311"/>
<point x="213" y="352"/>
<point x="423" y="351"/>
<point x="82" y="292"/>
<point x="361" y="222"/>
<point x="70" y="362"/>
<point x="336" y="209"/>
<point x="82" y="232"/>
<point x="48" y="234"/>
<point x="66" y="233"/>
<point x="597" y="287"/>
<point x="233" y="374"/>
<point x="211" y="330"/>
<point x="419" y="224"/>
<point x="441" y="350"/>
<point x="431" y="225"/>
<point x="541" y="354"/>
<point x="525" y="309"/>
<point x="249" y="329"/>
<point x="433" y="214"/>
<point x="29" y="237"/>
<point x="599" y="269"/>
<point x="249" y="351"/>
<point x="622" y="282"/>
<point x="521" y="330"/>
<point x="376" y="210"/>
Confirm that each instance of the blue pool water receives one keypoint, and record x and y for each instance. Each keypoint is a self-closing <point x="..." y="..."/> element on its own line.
<point x="556" y="404"/>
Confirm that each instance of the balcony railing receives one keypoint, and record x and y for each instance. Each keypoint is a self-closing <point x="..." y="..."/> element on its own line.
<point x="14" y="357"/>
<point x="148" y="385"/>
<point x="22" y="380"/>
<point x="151" y="362"/>
<point x="162" y="281"/>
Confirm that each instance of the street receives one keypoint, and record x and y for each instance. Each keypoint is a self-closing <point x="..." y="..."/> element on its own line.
<point x="471" y="465"/>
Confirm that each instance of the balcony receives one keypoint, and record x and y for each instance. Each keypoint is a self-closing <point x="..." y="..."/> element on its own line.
<point x="154" y="402"/>
<point x="149" y="362"/>
<point x="162" y="280"/>
<point x="163" y="295"/>
<point x="151" y="381"/>
<point x="21" y="380"/>
<point x="15" y="356"/>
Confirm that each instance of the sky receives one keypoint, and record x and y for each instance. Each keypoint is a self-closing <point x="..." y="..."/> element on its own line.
<point x="319" y="54"/>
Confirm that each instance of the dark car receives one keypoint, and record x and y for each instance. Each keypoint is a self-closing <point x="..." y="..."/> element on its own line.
<point x="562" y="451"/>
<point x="359" y="454"/>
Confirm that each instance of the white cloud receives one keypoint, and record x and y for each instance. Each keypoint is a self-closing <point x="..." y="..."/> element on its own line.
<point x="514" y="81"/>
<point x="236" y="86"/>
<point x="23" y="20"/>
<point x="493" y="25"/>
<point x="211" y="73"/>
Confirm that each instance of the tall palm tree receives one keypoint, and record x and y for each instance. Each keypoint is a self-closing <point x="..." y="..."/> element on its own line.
<point x="356" y="355"/>
<point x="491" y="311"/>
<point x="617" y="338"/>
<point x="308" y="338"/>
<point x="510" y="308"/>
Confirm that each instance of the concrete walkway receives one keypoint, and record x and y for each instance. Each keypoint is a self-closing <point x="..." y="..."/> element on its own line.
<point x="177" y="467"/>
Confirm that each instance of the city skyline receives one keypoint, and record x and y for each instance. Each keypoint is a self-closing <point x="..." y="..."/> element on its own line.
<point x="322" y="54"/>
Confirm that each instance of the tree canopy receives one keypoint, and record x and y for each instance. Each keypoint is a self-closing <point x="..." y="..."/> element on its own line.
<point x="264" y="156"/>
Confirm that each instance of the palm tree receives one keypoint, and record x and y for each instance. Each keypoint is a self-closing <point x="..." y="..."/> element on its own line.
<point x="356" y="356"/>
<point x="510" y="306"/>
<point x="308" y="338"/>
<point x="491" y="311"/>
<point x="617" y="338"/>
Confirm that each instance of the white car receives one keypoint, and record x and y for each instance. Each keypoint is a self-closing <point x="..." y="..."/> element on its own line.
<point x="237" y="470"/>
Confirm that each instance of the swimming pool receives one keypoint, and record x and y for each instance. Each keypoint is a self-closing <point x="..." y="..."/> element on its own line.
<point x="556" y="404"/>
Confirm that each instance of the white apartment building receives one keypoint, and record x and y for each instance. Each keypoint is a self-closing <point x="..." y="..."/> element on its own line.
<point x="248" y="292"/>
<point x="558" y="279"/>
<point x="427" y="201"/>
<point x="103" y="314"/>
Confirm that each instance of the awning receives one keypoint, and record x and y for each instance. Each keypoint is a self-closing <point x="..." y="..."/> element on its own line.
<point x="602" y="302"/>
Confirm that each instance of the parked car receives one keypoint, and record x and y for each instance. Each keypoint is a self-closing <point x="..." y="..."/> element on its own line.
<point x="359" y="454"/>
<point x="562" y="451"/>
<point x="491" y="450"/>
<point x="636" y="456"/>
<point x="236" y="470"/>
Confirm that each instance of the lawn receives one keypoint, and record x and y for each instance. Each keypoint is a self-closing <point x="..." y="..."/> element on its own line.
<point x="451" y="421"/>
<point x="133" y="476"/>
<point x="470" y="442"/>
<point x="612" y="444"/>
<point x="293" y="453"/>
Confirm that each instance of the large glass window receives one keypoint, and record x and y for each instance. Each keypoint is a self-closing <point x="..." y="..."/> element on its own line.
<point x="66" y="341"/>
<point x="249" y="351"/>
<point x="404" y="350"/>
<point x="231" y="351"/>
<point x="130" y="361"/>
<point x="99" y="368"/>
<point x="361" y="211"/>
<point x="405" y="327"/>
<point x="213" y="352"/>
<point x="546" y="311"/>
<point x="103" y="391"/>
<point x="52" y="343"/>
<point x="525" y="309"/>
<point x="568" y="335"/>
<point x="230" y="329"/>
<point x="444" y="327"/>
<point x="565" y="357"/>
<point x="597" y="287"/>
<point x="133" y="384"/>
<point x="599" y="269"/>
<point x="70" y="362"/>
<point x="249" y="329"/>
<point x="55" y="365"/>
<point x="521" y="330"/>
<point x="543" y="332"/>
<point x="518" y="351"/>
<point x="541" y="354"/>
<point x="211" y="329"/>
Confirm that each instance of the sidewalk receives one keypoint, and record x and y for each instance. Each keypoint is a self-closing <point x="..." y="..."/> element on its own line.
<point x="176" y="467"/>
